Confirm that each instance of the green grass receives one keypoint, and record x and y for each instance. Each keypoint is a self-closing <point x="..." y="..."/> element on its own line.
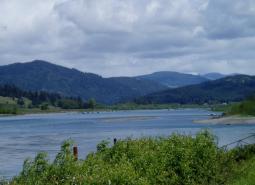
<point x="28" y="109"/>
<point x="174" y="160"/>
<point x="246" y="108"/>
<point x="51" y="109"/>
<point x="13" y="101"/>
<point x="7" y="100"/>
<point x="222" y="107"/>
<point x="134" y="106"/>
<point x="8" y="109"/>
<point x="9" y="105"/>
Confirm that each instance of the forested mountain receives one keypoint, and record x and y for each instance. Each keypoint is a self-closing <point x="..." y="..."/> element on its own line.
<point x="174" y="79"/>
<point x="44" y="76"/>
<point x="229" y="89"/>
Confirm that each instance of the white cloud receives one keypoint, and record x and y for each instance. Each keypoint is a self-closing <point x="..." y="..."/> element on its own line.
<point x="130" y="37"/>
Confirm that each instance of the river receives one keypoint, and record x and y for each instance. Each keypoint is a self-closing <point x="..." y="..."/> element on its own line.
<point x="24" y="136"/>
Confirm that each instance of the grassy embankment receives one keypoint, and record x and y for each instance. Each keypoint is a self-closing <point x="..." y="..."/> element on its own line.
<point x="134" y="106"/>
<point x="10" y="106"/>
<point x="244" y="108"/>
<point x="176" y="160"/>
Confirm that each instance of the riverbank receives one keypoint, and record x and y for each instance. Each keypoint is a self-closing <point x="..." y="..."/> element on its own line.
<point x="39" y="111"/>
<point x="228" y="120"/>
<point x="54" y="110"/>
<point x="110" y="108"/>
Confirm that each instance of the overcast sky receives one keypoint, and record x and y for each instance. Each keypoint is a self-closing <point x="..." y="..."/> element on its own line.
<point x="131" y="37"/>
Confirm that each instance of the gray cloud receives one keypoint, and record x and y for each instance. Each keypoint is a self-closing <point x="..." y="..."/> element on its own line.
<point x="230" y="19"/>
<point x="130" y="37"/>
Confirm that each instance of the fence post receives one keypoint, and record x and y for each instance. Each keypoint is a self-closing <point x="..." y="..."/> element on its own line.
<point x="75" y="153"/>
<point x="114" y="141"/>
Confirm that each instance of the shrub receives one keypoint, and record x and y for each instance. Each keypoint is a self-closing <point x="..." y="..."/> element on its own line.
<point x="44" y="106"/>
<point x="246" y="107"/>
<point x="8" y="109"/>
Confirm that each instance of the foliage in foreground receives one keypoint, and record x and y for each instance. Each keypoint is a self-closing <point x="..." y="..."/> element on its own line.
<point x="176" y="160"/>
<point x="247" y="174"/>
<point x="245" y="171"/>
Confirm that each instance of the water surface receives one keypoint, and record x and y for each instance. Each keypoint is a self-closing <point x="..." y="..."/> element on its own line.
<point x="24" y="136"/>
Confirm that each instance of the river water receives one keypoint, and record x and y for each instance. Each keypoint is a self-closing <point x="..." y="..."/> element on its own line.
<point x="24" y="136"/>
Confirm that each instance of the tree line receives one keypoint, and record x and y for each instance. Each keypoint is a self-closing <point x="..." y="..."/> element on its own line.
<point x="44" y="99"/>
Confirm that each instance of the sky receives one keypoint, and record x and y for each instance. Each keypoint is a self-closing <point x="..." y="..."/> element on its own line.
<point x="131" y="37"/>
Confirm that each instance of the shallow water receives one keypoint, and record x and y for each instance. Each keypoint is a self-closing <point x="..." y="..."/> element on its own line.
<point x="24" y="136"/>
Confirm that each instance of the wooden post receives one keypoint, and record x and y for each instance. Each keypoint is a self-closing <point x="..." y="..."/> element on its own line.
<point x="114" y="141"/>
<point x="75" y="152"/>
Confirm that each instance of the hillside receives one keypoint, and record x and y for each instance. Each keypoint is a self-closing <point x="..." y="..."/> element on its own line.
<point x="174" y="79"/>
<point x="229" y="89"/>
<point x="44" y="76"/>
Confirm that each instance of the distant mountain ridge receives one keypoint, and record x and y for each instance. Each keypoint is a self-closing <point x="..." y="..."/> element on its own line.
<point x="214" y="76"/>
<point x="41" y="75"/>
<point x="174" y="79"/>
<point x="228" y="89"/>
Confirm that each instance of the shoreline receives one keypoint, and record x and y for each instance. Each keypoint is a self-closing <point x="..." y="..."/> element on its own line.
<point x="228" y="120"/>
<point x="83" y="111"/>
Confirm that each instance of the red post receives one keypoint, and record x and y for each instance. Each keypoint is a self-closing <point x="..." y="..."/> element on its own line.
<point x="75" y="152"/>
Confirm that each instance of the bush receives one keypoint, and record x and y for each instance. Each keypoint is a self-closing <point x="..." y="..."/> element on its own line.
<point x="176" y="160"/>
<point x="44" y="106"/>
<point x="246" y="107"/>
<point x="92" y="103"/>
<point x="69" y="104"/>
<point x="8" y="109"/>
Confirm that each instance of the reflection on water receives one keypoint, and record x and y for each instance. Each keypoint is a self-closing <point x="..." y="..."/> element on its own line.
<point x="24" y="136"/>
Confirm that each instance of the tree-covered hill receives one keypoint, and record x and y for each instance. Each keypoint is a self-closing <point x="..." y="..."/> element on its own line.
<point x="229" y="89"/>
<point x="44" y="76"/>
